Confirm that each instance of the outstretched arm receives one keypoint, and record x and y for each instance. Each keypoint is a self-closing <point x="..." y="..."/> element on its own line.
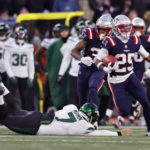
<point x="76" y="51"/>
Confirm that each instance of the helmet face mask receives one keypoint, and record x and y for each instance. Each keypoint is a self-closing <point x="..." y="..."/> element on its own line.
<point x="79" y="28"/>
<point x="103" y="32"/>
<point x="89" y="112"/>
<point x="103" y="26"/>
<point x="20" y="35"/>
<point x="138" y="26"/>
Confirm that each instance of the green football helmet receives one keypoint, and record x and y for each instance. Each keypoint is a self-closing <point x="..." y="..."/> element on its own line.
<point x="89" y="112"/>
<point x="89" y="24"/>
<point x="4" y="31"/>
<point x="79" y="27"/>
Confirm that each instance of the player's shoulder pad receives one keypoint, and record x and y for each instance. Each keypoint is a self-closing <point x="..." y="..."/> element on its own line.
<point x="29" y="46"/>
<point x="88" y="33"/>
<point x="136" y="39"/>
<point x="148" y="38"/>
<point x="9" y="43"/>
<point x="69" y="108"/>
<point x="111" y="40"/>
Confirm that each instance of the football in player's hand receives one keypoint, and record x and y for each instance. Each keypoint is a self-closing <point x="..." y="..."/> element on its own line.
<point x="109" y="59"/>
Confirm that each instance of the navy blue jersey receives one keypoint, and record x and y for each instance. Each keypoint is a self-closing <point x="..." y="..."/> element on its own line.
<point x="94" y="44"/>
<point x="139" y="60"/>
<point x="124" y="52"/>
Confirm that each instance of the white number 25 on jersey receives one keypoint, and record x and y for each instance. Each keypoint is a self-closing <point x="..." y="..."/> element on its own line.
<point x="125" y="59"/>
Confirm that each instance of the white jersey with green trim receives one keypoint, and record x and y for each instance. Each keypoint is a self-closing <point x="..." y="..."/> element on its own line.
<point x="2" y="49"/>
<point x="67" y="121"/>
<point x="48" y="42"/>
<point x="19" y="60"/>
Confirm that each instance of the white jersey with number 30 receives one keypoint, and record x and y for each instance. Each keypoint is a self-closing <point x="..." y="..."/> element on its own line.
<point x="19" y="60"/>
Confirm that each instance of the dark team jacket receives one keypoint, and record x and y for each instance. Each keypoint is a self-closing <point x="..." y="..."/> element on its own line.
<point x="94" y="44"/>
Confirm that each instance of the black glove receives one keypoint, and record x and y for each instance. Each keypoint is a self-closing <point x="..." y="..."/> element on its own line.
<point x="60" y="80"/>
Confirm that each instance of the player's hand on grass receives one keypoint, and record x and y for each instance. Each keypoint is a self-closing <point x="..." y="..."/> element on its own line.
<point x="126" y="132"/>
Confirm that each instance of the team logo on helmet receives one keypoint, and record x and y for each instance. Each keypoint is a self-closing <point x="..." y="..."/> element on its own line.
<point x="122" y="26"/>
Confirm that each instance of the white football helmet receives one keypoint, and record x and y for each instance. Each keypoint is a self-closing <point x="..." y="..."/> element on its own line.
<point x="103" y="26"/>
<point x="122" y="26"/>
<point x="138" y="26"/>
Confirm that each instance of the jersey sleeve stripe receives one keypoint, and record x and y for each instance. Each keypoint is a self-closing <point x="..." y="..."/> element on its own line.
<point x="90" y="33"/>
<point x="136" y="39"/>
<point x="101" y="84"/>
<point x="111" y="89"/>
<point x="148" y="38"/>
<point x="111" y="41"/>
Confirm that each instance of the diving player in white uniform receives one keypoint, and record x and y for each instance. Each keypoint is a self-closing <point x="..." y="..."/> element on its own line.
<point x="68" y="121"/>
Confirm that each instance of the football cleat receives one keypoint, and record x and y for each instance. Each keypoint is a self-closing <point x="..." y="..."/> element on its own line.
<point x="136" y="109"/>
<point x="104" y="121"/>
<point x="118" y="122"/>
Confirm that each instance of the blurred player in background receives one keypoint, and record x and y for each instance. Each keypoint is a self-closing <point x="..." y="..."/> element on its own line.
<point x="4" y="32"/>
<point x="122" y="80"/>
<point x="90" y="79"/>
<point x="59" y="93"/>
<point x="67" y="59"/>
<point x="47" y="42"/>
<point x="19" y="65"/>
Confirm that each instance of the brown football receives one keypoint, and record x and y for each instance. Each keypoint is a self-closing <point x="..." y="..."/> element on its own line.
<point x="108" y="59"/>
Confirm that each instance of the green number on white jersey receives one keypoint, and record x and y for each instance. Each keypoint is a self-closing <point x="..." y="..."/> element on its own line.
<point x="19" y="59"/>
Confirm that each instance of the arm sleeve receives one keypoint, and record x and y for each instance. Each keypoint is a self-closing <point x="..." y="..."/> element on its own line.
<point x="31" y="69"/>
<point x="7" y="65"/>
<point x="66" y="59"/>
<point x="102" y="53"/>
<point x="143" y="52"/>
<point x="102" y="133"/>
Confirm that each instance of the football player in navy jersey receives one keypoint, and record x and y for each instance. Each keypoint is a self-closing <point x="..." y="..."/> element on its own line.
<point x="90" y="78"/>
<point x="123" y="82"/>
<point x="138" y="29"/>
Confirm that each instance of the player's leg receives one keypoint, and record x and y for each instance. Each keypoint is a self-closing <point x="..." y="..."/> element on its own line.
<point x="121" y="98"/>
<point x="95" y="83"/>
<point x="139" y="93"/>
<point x="73" y="94"/>
<point x="26" y="94"/>
<point x="82" y="85"/>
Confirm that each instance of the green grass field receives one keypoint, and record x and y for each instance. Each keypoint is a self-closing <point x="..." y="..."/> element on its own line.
<point x="12" y="141"/>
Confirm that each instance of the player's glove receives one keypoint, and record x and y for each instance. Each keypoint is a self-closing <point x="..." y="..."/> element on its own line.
<point x="87" y="61"/>
<point x="13" y="80"/>
<point x="60" y="80"/>
<point x="30" y="83"/>
<point x="147" y="74"/>
<point x="110" y="68"/>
